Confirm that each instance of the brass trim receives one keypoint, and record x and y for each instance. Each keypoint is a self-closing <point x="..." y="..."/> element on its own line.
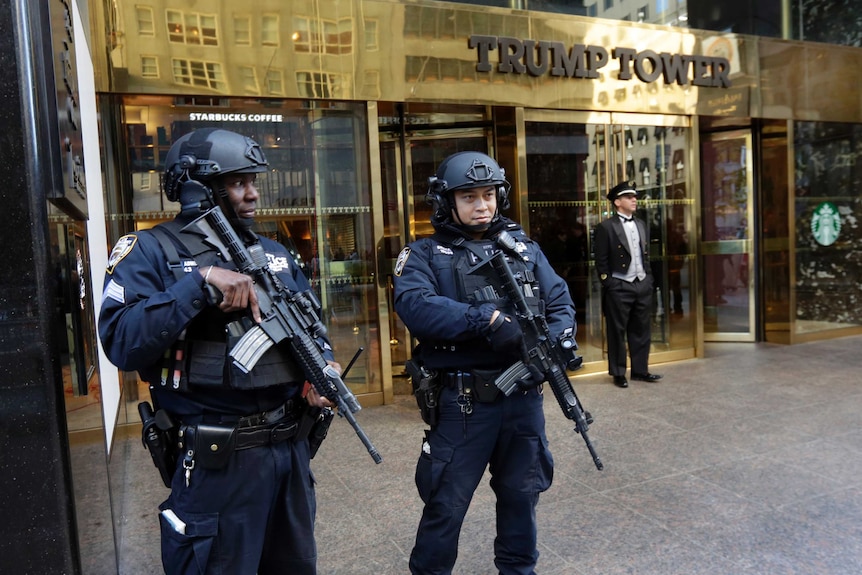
<point x="665" y="120"/>
<point x="726" y="247"/>
<point x="378" y="230"/>
<point x="523" y="185"/>
<point x="566" y="116"/>
<point x="790" y="211"/>
<point x="695" y="272"/>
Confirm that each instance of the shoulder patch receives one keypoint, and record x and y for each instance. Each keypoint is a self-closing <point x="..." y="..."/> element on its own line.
<point x="122" y="249"/>
<point x="402" y="259"/>
<point x="278" y="263"/>
<point x="115" y="292"/>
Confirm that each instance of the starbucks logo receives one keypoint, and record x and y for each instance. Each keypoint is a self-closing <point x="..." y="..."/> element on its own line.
<point x="826" y="224"/>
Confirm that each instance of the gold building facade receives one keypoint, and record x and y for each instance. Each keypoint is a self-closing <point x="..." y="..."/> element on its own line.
<point x="355" y="103"/>
<point x="745" y="149"/>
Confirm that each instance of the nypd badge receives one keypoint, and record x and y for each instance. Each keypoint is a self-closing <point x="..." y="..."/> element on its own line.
<point x="122" y="249"/>
<point x="402" y="259"/>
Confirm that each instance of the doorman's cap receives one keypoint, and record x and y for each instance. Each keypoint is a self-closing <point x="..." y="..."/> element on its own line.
<point x="622" y="189"/>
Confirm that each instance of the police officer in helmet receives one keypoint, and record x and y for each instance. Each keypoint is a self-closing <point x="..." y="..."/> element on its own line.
<point x="242" y="497"/>
<point x="468" y="337"/>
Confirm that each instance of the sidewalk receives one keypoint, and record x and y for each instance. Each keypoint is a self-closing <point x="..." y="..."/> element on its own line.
<point x="747" y="462"/>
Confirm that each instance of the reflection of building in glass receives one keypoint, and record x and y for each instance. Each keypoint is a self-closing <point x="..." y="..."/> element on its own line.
<point x="665" y="12"/>
<point x="165" y="44"/>
<point x="651" y="166"/>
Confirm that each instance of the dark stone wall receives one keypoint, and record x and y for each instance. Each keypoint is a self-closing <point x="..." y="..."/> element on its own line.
<point x="37" y="533"/>
<point x="829" y="171"/>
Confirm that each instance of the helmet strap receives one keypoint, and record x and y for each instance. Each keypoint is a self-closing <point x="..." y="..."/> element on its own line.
<point x="478" y="229"/>
<point x="241" y="225"/>
<point x="457" y="216"/>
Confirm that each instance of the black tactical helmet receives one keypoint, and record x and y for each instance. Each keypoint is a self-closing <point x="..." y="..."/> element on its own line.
<point x="463" y="171"/>
<point x="209" y="153"/>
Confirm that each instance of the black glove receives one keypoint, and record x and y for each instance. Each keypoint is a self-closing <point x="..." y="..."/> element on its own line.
<point x="536" y="378"/>
<point x="506" y="335"/>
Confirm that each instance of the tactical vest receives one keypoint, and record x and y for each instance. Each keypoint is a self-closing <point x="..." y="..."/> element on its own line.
<point x="478" y="282"/>
<point x="199" y="358"/>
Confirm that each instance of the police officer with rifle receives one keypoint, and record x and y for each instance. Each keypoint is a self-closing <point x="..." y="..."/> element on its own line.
<point x="222" y="325"/>
<point x="450" y="296"/>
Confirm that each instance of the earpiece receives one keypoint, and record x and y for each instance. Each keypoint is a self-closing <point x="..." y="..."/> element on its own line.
<point x="176" y="175"/>
<point x="436" y="197"/>
<point x="194" y="196"/>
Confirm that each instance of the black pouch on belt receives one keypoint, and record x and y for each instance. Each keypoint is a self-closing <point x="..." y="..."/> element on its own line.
<point x="484" y="388"/>
<point x="314" y="425"/>
<point x="214" y="445"/>
<point x="426" y="389"/>
<point x="159" y="434"/>
<point x="319" y="430"/>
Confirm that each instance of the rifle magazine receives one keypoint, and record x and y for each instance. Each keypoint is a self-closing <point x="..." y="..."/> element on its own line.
<point x="507" y="382"/>
<point x="250" y="348"/>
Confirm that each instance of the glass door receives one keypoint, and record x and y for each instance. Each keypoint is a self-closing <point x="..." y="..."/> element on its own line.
<point x="572" y="161"/>
<point x="727" y="246"/>
<point x="412" y="145"/>
<point x="566" y="180"/>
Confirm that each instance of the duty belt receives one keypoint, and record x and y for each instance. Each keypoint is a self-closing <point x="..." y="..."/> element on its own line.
<point x="211" y="446"/>
<point x="456" y="378"/>
<point x="467" y="378"/>
<point x="268" y="427"/>
<point x="287" y="409"/>
<point x="244" y="432"/>
<point x="484" y="384"/>
<point x="267" y="417"/>
<point x="248" y="437"/>
<point x="478" y="383"/>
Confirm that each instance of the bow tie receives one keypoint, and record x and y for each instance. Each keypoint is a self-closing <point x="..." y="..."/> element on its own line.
<point x="626" y="220"/>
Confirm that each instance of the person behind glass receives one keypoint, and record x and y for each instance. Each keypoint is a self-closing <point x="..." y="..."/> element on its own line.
<point x="468" y="336"/>
<point x="621" y="247"/>
<point x="252" y="509"/>
<point x="677" y="248"/>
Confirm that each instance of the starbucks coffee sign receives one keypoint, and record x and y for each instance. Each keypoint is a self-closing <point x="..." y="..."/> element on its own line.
<point x="541" y="57"/>
<point x="826" y="224"/>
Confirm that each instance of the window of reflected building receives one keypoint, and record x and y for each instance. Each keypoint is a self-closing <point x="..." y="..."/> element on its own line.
<point x="269" y="34"/>
<point x="242" y="30"/>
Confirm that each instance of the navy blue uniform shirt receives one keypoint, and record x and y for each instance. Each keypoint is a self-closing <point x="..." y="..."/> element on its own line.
<point x="145" y="309"/>
<point x="427" y="300"/>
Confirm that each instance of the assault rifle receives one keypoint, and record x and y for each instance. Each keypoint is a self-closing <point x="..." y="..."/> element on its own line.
<point x="289" y="317"/>
<point x="544" y="357"/>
